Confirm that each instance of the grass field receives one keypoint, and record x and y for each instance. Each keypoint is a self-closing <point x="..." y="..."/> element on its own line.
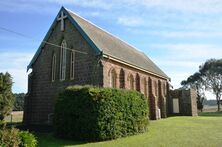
<point x="210" y="108"/>
<point x="15" y="117"/>
<point x="204" y="130"/>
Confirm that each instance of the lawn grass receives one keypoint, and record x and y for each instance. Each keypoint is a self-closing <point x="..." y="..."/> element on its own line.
<point x="211" y="114"/>
<point x="174" y="131"/>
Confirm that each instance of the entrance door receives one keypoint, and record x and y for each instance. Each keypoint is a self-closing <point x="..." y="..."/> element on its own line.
<point x="176" y="105"/>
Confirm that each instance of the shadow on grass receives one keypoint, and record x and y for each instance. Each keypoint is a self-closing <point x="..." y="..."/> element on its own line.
<point x="47" y="139"/>
<point x="45" y="136"/>
<point x="211" y="114"/>
<point x="15" y="124"/>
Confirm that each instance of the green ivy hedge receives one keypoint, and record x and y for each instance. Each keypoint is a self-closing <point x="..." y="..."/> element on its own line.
<point x="92" y="114"/>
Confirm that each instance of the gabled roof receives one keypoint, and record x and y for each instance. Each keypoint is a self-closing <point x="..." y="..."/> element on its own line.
<point x="107" y="44"/>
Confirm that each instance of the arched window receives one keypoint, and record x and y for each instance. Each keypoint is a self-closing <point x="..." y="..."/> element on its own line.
<point x="131" y="82"/>
<point x="63" y="60"/>
<point x="137" y="82"/>
<point x="53" y="67"/>
<point x="72" y="65"/>
<point x="113" y="78"/>
<point x="145" y="86"/>
<point x="122" y="79"/>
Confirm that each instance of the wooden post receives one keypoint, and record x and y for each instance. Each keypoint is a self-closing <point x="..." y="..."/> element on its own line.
<point x="11" y="117"/>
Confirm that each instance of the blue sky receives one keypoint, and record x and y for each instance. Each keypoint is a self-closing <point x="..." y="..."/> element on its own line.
<point x="177" y="35"/>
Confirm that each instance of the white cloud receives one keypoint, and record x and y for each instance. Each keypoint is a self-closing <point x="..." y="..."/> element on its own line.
<point x="86" y="3"/>
<point x="177" y="69"/>
<point x="28" y="6"/>
<point x="178" y="63"/>
<point x="151" y="13"/>
<point x="182" y="60"/>
<point x="191" y="6"/>
<point x="177" y="77"/>
<point x="190" y="51"/>
<point x="15" y="64"/>
<point x="130" y="21"/>
<point x="193" y="34"/>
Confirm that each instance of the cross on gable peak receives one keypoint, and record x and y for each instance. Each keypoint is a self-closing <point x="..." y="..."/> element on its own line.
<point x="61" y="17"/>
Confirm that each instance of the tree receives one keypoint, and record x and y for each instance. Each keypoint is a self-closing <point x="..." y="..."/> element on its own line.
<point x="211" y="73"/>
<point x="208" y="78"/>
<point x="19" y="101"/>
<point x="195" y="81"/>
<point x="6" y="96"/>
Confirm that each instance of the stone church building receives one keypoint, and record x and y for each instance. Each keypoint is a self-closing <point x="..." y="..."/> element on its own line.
<point x="77" y="52"/>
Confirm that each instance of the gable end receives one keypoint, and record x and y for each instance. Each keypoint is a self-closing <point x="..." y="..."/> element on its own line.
<point x="85" y="36"/>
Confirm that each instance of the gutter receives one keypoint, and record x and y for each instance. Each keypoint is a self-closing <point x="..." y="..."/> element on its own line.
<point x="133" y="66"/>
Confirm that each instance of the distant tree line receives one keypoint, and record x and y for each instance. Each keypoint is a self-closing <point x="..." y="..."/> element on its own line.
<point x="209" y="77"/>
<point x="19" y="102"/>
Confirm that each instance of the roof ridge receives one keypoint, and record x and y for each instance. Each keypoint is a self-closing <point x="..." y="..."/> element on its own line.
<point x="120" y="48"/>
<point x="135" y="49"/>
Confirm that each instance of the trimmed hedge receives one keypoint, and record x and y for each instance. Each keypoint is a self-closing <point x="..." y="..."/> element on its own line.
<point x="93" y="114"/>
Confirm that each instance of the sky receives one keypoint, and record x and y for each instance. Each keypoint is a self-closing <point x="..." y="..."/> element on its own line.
<point x="177" y="35"/>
